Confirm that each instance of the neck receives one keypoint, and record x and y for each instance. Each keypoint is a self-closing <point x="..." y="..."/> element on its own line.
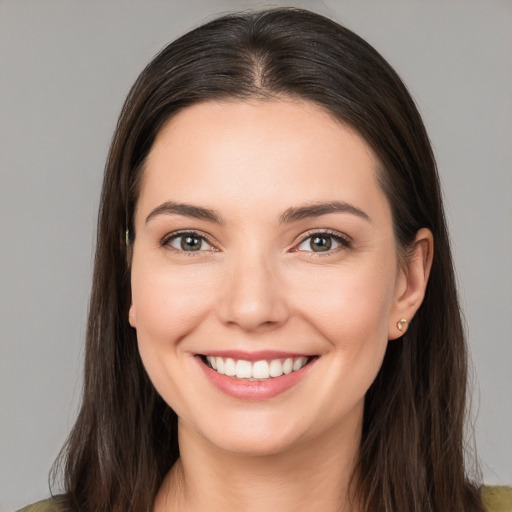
<point x="206" y="478"/>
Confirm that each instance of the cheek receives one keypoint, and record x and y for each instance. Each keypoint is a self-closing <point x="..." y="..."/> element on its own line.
<point x="168" y="303"/>
<point x="351" y="312"/>
<point x="351" y="305"/>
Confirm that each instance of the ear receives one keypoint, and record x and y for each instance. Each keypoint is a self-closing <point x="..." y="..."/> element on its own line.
<point x="132" y="316"/>
<point x="411" y="283"/>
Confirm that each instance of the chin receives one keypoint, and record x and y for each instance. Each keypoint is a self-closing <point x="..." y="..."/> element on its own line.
<point x="250" y="434"/>
<point x="252" y="446"/>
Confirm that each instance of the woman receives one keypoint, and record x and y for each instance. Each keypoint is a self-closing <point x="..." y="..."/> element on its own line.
<point x="274" y="321"/>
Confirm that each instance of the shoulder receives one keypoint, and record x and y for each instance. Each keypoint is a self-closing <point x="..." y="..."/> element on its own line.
<point x="50" y="505"/>
<point x="497" y="498"/>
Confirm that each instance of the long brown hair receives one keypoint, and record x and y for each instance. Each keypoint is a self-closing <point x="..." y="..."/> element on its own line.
<point x="125" y="438"/>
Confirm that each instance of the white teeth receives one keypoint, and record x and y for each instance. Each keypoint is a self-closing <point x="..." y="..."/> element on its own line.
<point x="276" y="368"/>
<point x="243" y="369"/>
<point x="229" y="367"/>
<point x="299" y="363"/>
<point x="288" y="366"/>
<point x="262" y="370"/>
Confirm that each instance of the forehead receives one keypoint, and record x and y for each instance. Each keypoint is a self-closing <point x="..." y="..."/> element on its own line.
<point x="249" y="152"/>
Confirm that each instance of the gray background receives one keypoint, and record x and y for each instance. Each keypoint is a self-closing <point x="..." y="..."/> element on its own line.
<point x="65" y="68"/>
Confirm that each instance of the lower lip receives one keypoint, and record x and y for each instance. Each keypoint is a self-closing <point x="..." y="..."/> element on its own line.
<point x="245" y="389"/>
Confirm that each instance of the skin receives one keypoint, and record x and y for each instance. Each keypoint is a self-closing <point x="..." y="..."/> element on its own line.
<point x="260" y="285"/>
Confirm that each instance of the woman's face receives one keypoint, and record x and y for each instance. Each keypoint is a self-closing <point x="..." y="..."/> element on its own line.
<point x="264" y="247"/>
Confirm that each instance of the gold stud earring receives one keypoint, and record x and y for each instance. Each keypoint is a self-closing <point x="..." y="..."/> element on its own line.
<point x="402" y="324"/>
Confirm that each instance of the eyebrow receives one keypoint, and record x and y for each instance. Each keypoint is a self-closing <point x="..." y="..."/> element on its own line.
<point x="292" y="214"/>
<point x="187" y="210"/>
<point x="318" y="209"/>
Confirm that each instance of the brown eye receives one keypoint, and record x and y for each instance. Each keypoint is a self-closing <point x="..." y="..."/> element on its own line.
<point x="320" y="243"/>
<point x="188" y="242"/>
<point x="323" y="242"/>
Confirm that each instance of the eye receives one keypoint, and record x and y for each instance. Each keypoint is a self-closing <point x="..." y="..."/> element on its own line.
<point x="188" y="241"/>
<point x="323" y="242"/>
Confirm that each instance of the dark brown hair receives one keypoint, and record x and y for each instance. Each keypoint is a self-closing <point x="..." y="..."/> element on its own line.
<point x="125" y="438"/>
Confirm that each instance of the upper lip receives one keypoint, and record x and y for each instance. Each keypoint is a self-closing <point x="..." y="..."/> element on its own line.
<point x="253" y="356"/>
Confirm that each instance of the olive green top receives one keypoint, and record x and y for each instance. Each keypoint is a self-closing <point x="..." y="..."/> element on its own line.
<point x="41" y="506"/>
<point x="496" y="499"/>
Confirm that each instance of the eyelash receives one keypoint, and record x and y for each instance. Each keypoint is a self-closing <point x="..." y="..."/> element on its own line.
<point x="179" y="234"/>
<point x="344" y="241"/>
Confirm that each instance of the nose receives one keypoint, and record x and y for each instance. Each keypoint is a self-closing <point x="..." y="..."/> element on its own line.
<point x="253" y="295"/>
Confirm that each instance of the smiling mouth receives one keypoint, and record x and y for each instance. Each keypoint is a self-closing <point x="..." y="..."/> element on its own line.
<point x="257" y="370"/>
